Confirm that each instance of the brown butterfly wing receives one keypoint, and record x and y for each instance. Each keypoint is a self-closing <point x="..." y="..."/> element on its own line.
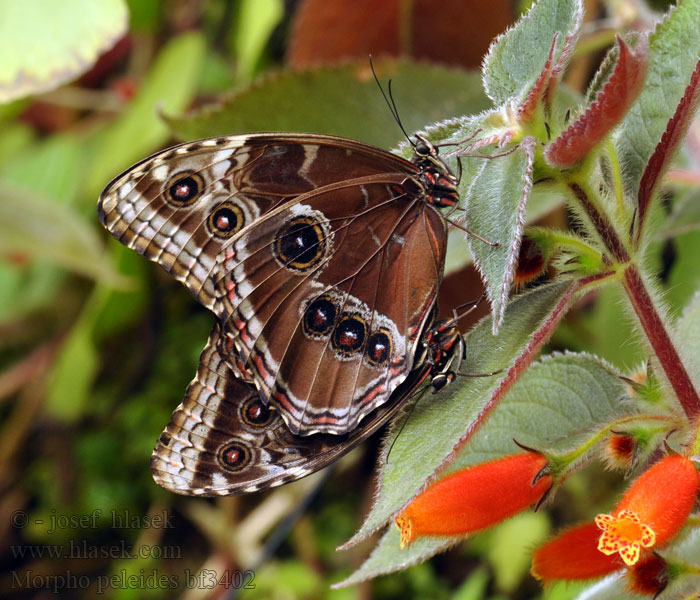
<point x="222" y="440"/>
<point x="179" y="207"/>
<point x="327" y="295"/>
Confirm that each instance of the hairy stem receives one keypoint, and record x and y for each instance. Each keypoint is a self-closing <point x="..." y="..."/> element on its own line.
<point x="640" y="299"/>
<point x="661" y="343"/>
<point x="602" y="225"/>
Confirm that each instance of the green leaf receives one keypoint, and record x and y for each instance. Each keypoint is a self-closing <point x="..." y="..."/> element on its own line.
<point x="45" y="43"/>
<point x="170" y="86"/>
<point x="555" y="402"/>
<point x="387" y="558"/>
<point x="145" y="16"/>
<point x="341" y="100"/>
<point x="541" y="202"/>
<point x="437" y="423"/>
<point x="474" y="586"/>
<point x="563" y="590"/>
<point x="33" y="227"/>
<point x="496" y="200"/>
<point x="684" y="218"/>
<point x="123" y="306"/>
<point x="26" y="288"/>
<point x="673" y="52"/>
<point x="517" y="57"/>
<point x="15" y="138"/>
<point x="72" y="376"/>
<point x="684" y="278"/>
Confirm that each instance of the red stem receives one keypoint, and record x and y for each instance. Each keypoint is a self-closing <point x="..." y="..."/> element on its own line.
<point x="661" y="343"/>
<point x="602" y="225"/>
<point x="643" y="306"/>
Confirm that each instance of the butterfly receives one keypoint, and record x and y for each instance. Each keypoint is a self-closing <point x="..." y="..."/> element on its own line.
<point x="321" y="258"/>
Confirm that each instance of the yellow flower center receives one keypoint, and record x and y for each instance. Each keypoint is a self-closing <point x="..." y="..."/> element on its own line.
<point x="403" y="524"/>
<point x="625" y="534"/>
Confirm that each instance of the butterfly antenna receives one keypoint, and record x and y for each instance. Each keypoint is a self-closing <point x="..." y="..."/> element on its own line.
<point x="390" y="102"/>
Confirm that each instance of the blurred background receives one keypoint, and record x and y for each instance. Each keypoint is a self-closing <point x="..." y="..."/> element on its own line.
<point x="97" y="345"/>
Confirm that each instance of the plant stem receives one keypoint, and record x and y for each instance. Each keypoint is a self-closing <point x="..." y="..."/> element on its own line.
<point x="602" y="224"/>
<point x="661" y="342"/>
<point x="647" y="313"/>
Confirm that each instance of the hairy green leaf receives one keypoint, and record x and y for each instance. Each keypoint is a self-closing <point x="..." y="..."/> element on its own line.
<point x="496" y="201"/>
<point x="517" y="57"/>
<point x="438" y="422"/>
<point x="387" y="558"/>
<point x="556" y="402"/>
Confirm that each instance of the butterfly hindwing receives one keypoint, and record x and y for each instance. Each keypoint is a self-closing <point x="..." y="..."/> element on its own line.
<point x="223" y="440"/>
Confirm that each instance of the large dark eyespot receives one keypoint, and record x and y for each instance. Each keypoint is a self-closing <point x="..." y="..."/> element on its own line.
<point x="225" y="220"/>
<point x="319" y="317"/>
<point x="378" y="349"/>
<point x="300" y="244"/>
<point x="349" y="334"/>
<point x="255" y="413"/>
<point x="234" y="456"/>
<point x="183" y="188"/>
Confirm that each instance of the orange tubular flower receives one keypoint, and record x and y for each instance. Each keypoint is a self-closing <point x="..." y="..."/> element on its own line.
<point x="476" y="498"/>
<point x="573" y="555"/>
<point x="649" y="514"/>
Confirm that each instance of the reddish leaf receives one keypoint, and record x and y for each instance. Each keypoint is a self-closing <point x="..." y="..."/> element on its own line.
<point x="543" y="89"/>
<point x="672" y="136"/>
<point x="527" y="108"/>
<point x="450" y="31"/>
<point x="609" y="107"/>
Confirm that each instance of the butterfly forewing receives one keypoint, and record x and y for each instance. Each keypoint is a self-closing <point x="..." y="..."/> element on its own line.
<point x="180" y="206"/>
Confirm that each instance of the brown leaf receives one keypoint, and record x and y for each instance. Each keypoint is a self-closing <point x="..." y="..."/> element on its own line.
<point x="451" y="31"/>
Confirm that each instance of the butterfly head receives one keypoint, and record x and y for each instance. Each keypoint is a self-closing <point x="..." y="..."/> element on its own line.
<point x="439" y="182"/>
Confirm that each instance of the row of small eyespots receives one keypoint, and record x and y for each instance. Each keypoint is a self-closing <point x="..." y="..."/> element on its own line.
<point x="348" y="333"/>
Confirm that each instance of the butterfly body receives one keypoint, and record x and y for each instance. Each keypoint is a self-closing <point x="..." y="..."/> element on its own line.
<point x="321" y="258"/>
